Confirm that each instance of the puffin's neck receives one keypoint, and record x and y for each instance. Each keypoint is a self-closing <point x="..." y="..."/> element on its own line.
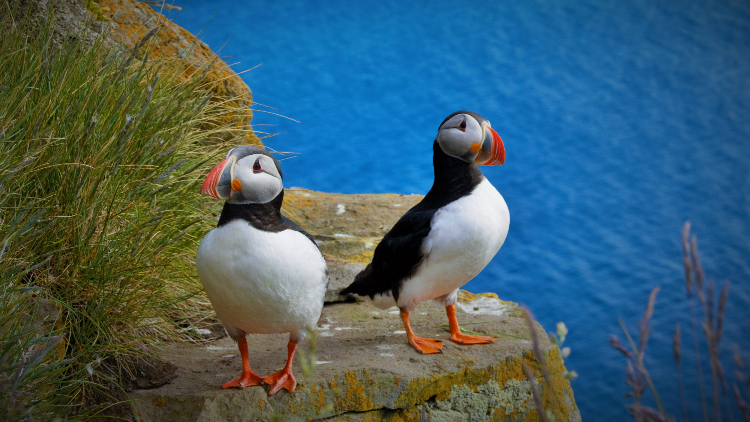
<point x="454" y="177"/>
<point x="261" y="216"/>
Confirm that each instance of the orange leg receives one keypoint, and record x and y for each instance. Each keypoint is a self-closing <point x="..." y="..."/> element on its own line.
<point x="248" y="377"/>
<point x="425" y="346"/>
<point x="457" y="336"/>
<point x="284" y="378"/>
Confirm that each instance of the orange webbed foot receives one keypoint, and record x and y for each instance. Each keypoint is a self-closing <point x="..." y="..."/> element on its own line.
<point x="247" y="379"/>
<point x="426" y="346"/>
<point x="457" y="336"/>
<point x="466" y="339"/>
<point x="282" y="379"/>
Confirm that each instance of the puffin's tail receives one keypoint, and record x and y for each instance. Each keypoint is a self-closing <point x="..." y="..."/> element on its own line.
<point x="362" y="284"/>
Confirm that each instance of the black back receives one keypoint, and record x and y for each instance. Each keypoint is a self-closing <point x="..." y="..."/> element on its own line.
<point x="398" y="256"/>
<point x="266" y="217"/>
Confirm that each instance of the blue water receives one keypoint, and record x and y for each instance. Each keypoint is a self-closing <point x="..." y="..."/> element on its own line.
<point x="621" y="120"/>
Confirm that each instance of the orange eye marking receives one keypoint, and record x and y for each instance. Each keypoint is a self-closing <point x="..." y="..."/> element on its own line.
<point x="236" y="184"/>
<point x="475" y="147"/>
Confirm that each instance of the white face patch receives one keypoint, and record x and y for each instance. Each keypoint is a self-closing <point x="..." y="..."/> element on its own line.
<point x="260" y="180"/>
<point x="457" y="135"/>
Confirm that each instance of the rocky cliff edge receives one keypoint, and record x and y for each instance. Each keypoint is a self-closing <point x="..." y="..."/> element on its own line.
<point x="366" y="370"/>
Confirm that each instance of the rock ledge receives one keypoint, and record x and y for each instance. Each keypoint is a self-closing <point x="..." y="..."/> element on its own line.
<point x="367" y="371"/>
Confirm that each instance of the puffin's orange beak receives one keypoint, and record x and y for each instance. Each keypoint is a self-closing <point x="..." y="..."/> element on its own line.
<point x="493" y="150"/>
<point x="218" y="182"/>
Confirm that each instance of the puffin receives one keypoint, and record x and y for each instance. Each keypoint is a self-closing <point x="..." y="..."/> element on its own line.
<point x="262" y="273"/>
<point x="446" y="239"/>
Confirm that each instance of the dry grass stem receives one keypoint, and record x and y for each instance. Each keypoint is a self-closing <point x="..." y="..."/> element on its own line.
<point x="535" y="393"/>
<point x="540" y="357"/>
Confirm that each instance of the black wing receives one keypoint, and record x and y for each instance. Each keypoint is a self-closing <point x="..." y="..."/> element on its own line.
<point x="288" y="224"/>
<point x="399" y="255"/>
<point x="396" y="257"/>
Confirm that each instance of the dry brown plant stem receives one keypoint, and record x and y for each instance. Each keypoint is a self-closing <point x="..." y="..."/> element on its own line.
<point x="678" y="358"/>
<point x="535" y="393"/>
<point x="535" y="341"/>
<point x="688" y="264"/>
<point x="713" y="323"/>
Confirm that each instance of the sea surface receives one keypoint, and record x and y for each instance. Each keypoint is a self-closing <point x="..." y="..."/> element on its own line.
<point x="621" y="121"/>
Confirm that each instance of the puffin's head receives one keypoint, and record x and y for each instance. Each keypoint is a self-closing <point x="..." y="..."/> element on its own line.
<point x="249" y="175"/>
<point x="469" y="137"/>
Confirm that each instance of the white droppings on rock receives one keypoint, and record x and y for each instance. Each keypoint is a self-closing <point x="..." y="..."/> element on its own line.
<point x="384" y="347"/>
<point x="343" y="328"/>
<point x="399" y="332"/>
<point x="322" y="362"/>
<point x="484" y="306"/>
<point x="326" y="334"/>
<point x="340" y="209"/>
<point x="219" y="348"/>
<point x="323" y="327"/>
<point x="387" y="355"/>
<point x="396" y="205"/>
<point x="344" y="235"/>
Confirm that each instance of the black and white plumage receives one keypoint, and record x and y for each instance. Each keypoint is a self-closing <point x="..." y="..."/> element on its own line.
<point x="263" y="274"/>
<point x="450" y="236"/>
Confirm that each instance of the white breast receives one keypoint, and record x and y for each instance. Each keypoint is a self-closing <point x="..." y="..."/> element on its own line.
<point x="261" y="282"/>
<point x="464" y="237"/>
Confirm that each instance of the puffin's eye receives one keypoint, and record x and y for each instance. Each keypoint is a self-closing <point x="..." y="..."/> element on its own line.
<point x="256" y="166"/>
<point x="462" y="126"/>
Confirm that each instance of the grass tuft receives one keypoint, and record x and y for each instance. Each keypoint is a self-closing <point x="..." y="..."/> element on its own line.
<point x="101" y="158"/>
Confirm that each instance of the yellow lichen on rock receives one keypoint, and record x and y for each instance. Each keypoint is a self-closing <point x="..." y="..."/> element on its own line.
<point x="354" y="394"/>
<point x="501" y="393"/>
<point x="132" y="20"/>
<point x="450" y="393"/>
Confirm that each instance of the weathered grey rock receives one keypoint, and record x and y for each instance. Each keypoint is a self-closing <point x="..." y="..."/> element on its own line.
<point x="358" y="215"/>
<point x="72" y="22"/>
<point x="341" y="274"/>
<point x="348" y="227"/>
<point x="367" y="371"/>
